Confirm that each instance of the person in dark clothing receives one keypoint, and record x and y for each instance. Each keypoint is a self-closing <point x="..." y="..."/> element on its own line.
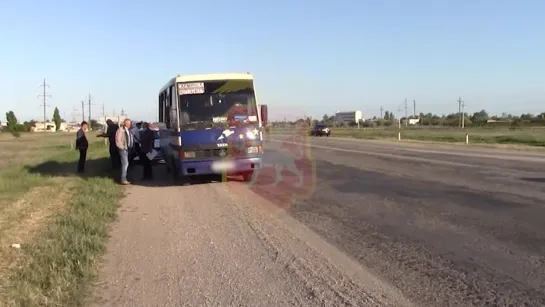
<point x="147" y="138"/>
<point x="82" y="144"/>
<point x="136" y="150"/>
<point x="110" y="134"/>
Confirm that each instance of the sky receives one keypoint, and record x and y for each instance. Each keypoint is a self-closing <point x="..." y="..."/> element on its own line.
<point x="308" y="57"/>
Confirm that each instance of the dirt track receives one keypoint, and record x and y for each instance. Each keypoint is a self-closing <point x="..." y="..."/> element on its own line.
<point x="451" y="227"/>
<point x="220" y="245"/>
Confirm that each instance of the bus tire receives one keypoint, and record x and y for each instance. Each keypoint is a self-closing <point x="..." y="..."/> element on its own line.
<point x="247" y="177"/>
<point x="168" y="165"/>
<point x="178" y="177"/>
<point x="174" y="172"/>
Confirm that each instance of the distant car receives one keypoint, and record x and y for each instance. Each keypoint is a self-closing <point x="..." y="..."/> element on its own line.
<point x="320" y="130"/>
<point x="156" y="145"/>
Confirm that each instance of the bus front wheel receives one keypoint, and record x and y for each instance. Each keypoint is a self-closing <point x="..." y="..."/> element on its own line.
<point x="247" y="177"/>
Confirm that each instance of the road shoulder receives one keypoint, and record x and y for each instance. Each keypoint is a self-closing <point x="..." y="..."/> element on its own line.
<point x="203" y="246"/>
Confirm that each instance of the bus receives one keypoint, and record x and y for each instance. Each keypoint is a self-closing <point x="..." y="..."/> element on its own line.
<point x="211" y="124"/>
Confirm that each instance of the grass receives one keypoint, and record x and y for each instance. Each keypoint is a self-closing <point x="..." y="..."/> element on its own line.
<point x="528" y="137"/>
<point x="59" y="219"/>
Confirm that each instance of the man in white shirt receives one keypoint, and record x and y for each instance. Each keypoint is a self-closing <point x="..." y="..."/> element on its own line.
<point x="124" y="140"/>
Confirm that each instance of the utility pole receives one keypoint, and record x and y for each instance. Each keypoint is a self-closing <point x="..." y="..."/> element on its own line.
<point x="399" y="119"/>
<point x="45" y="95"/>
<point x="406" y="116"/>
<point x="414" y="108"/>
<point x="74" y="112"/>
<point x="460" y="110"/>
<point x="103" y="112"/>
<point x="463" y="115"/>
<point x="83" y="110"/>
<point x="89" y="104"/>
<point x="381" y="109"/>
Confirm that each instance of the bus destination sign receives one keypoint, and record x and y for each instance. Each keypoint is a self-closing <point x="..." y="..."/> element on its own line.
<point x="190" y="88"/>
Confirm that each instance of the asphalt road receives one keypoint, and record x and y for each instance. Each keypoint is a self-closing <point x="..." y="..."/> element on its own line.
<point x="447" y="227"/>
<point x="372" y="224"/>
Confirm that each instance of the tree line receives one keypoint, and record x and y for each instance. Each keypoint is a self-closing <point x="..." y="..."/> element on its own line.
<point x="477" y="119"/>
<point x="15" y="127"/>
<point x="13" y="124"/>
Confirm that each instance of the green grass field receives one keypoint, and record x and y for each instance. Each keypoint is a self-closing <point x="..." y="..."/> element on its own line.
<point x="59" y="219"/>
<point x="528" y="136"/>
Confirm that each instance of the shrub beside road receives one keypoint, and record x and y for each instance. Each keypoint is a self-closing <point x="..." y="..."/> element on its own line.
<point x="522" y="136"/>
<point x="53" y="224"/>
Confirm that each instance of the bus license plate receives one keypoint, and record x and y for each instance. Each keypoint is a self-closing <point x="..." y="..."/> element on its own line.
<point x="222" y="166"/>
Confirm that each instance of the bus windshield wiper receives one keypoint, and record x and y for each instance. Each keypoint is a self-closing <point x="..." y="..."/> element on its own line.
<point x="201" y="124"/>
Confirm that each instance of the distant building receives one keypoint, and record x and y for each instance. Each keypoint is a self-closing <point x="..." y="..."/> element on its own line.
<point x="49" y="126"/>
<point x="116" y="119"/>
<point x="41" y="126"/>
<point x="348" y="117"/>
<point x="414" y="121"/>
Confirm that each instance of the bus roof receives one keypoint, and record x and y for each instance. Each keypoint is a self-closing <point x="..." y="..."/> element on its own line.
<point x="208" y="77"/>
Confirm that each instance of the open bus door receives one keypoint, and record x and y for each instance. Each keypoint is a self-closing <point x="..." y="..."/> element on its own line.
<point x="264" y="118"/>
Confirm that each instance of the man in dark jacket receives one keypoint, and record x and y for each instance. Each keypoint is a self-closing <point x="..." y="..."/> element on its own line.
<point x="82" y="144"/>
<point x="110" y="134"/>
<point x="147" y="138"/>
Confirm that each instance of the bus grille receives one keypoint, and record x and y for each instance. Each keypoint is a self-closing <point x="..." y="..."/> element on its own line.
<point x="220" y="153"/>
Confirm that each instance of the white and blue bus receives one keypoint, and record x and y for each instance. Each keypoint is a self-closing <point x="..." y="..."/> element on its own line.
<point x="211" y="125"/>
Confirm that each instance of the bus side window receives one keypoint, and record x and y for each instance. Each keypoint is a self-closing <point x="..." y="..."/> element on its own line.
<point x="171" y="103"/>
<point x="168" y="107"/>
<point x="161" y="109"/>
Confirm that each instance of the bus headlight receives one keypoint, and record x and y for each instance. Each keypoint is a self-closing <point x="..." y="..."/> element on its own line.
<point x="253" y="150"/>
<point x="189" y="154"/>
<point x="250" y="135"/>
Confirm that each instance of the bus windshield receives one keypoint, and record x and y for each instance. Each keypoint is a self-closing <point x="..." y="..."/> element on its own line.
<point x="232" y="108"/>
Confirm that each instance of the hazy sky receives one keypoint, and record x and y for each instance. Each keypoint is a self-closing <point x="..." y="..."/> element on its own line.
<point x="308" y="57"/>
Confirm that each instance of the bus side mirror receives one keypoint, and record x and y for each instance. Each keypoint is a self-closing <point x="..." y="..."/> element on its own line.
<point x="264" y="115"/>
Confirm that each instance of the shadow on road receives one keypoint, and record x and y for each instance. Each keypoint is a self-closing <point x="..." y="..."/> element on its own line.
<point x="102" y="168"/>
<point x="93" y="168"/>
<point x="539" y="180"/>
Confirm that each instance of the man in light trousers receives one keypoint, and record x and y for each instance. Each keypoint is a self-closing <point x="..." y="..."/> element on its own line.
<point x="124" y="140"/>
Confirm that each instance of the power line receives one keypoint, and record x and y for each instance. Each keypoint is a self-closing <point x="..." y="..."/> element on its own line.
<point x="45" y="95"/>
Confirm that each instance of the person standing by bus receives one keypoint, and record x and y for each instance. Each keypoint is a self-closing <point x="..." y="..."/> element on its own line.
<point x="82" y="144"/>
<point x="136" y="150"/>
<point x="146" y="147"/>
<point x="124" y="140"/>
<point x="110" y="134"/>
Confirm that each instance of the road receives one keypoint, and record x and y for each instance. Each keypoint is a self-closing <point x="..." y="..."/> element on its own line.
<point x="384" y="225"/>
<point x="448" y="227"/>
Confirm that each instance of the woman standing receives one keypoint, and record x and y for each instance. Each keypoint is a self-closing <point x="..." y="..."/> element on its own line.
<point x="82" y="144"/>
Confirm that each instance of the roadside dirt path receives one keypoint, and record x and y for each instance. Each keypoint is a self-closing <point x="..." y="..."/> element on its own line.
<point x="222" y="245"/>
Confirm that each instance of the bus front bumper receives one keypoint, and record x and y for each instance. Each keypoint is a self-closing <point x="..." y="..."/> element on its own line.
<point x="224" y="166"/>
